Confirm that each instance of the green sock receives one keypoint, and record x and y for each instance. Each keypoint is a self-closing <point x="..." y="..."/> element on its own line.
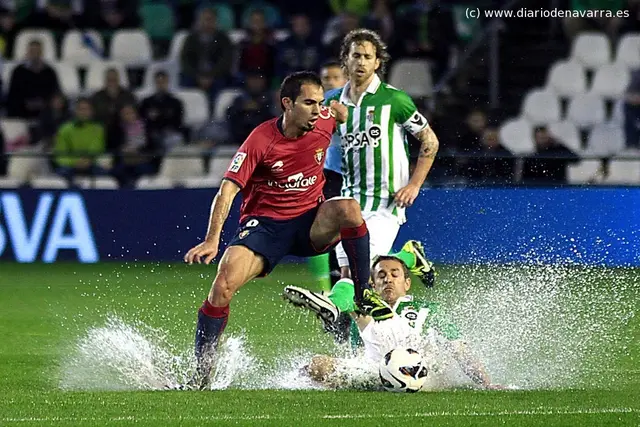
<point x="319" y="266"/>
<point x="342" y="295"/>
<point x="407" y="257"/>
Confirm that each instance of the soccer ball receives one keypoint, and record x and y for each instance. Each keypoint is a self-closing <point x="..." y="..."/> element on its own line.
<point x="403" y="370"/>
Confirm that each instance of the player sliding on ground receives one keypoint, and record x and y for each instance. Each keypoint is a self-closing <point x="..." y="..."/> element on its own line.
<point x="278" y="169"/>
<point x="414" y="324"/>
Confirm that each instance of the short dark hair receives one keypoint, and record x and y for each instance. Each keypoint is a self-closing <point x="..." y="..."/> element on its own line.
<point x="160" y="73"/>
<point x="290" y="87"/>
<point x="331" y="64"/>
<point x="377" y="260"/>
<point x="362" y="35"/>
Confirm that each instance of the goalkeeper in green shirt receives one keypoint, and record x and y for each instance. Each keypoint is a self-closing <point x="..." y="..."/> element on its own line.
<point x="414" y="323"/>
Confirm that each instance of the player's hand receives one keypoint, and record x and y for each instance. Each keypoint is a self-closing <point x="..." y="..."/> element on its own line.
<point x="406" y="195"/>
<point x="339" y="111"/>
<point x="206" y="249"/>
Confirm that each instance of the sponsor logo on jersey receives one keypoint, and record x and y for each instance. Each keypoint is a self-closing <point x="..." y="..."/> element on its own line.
<point x="277" y="166"/>
<point x="370" y="138"/>
<point x="296" y="182"/>
<point x="319" y="155"/>
<point x="237" y="161"/>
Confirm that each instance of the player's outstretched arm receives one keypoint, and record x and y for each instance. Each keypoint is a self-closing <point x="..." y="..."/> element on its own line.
<point x="220" y="208"/>
<point x="429" y="145"/>
<point x="470" y="365"/>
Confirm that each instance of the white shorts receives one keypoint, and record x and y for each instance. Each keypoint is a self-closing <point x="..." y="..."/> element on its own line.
<point x="383" y="229"/>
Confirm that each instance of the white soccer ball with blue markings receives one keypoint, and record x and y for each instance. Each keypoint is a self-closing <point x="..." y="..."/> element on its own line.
<point x="403" y="370"/>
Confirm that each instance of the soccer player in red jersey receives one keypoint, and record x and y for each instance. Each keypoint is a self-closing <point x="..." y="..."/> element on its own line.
<point x="279" y="171"/>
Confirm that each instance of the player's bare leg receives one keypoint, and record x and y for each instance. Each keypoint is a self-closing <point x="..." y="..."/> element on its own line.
<point x="340" y="218"/>
<point x="237" y="266"/>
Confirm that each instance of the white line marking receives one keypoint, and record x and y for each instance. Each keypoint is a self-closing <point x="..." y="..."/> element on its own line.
<point x="443" y="414"/>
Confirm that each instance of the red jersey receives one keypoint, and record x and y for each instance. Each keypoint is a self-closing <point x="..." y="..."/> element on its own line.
<point x="280" y="177"/>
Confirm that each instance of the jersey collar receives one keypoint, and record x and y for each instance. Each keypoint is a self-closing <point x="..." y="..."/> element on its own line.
<point x="406" y="298"/>
<point x="372" y="88"/>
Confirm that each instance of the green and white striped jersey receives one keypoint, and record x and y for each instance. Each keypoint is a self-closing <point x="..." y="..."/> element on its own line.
<point x="375" y="151"/>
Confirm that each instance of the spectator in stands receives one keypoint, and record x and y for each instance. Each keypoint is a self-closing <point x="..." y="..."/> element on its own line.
<point x="250" y="109"/>
<point x="358" y="8"/>
<point x="332" y="75"/>
<point x="113" y="14"/>
<point x="133" y="160"/>
<point x="611" y="25"/>
<point x="32" y="85"/>
<point x="163" y="114"/>
<point x="426" y="31"/>
<point x="346" y="23"/>
<point x="494" y="164"/>
<point x="78" y="142"/>
<point x="8" y="27"/>
<point x="302" y="50"/>
<point x="549" y="163"/>
<point x="206" y="56"/>
<point x="58" y="15"/>
<point x="470" y="137"/>
<point x="107" y="104"/>
<point x="55" y="115"/>
<point x="380" y="20"/>
<point x="257" y="51"/>
<point x="631" y="109"/>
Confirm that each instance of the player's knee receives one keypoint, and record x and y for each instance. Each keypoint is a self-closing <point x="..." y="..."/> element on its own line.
<point x="348" y="213"/>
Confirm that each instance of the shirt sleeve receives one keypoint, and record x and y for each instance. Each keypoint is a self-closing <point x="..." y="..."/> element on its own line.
<point x="407" y="115"/>
<point x="246" y="159"/>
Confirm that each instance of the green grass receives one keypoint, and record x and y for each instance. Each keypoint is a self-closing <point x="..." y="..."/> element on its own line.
<point x="45" y="309"/>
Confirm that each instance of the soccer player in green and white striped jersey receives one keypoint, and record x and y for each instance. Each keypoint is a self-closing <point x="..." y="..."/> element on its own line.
<point x="375" y="153"/>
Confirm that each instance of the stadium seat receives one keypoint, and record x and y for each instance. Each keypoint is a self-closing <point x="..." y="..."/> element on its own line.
<point x="617" y="114"/>
<point x="611" y="81"/>
<point x="237" y="36"/>
<point x="567" y="78"/>
<point x="540" y="107"/>
<point x="76" y="51"/>
<point x="25" y="36"/>
<point x="209" y="181"/>
<point x="281" y="35"/>
<point x="623" y="172"/>
<point x="585" y="171"/>
<point x="9" y="183"/>
<point x="591" y="49"/>
<point x="68" y="78"/>
<point x="517" y="136"/>
<point x="96" y="74"/>
<point x="219" y="164"/>
<point x="158" y="21"/>
<point x="13" y="129"/>
<point x="628" y="51"/>
<point x="272" y="15"/>
<point x="223" y="101"/>
<point x="154" y="183"/>
<point x="131" y="47"/>
<point x="51" y="182"/>
<point x="97" y="182"/>
<point x="148" y="83"/>
<point x="7" y="71"/>
<point x="225" y="16"/>
<point x="176" y="45"/>
<point x="586" y="110"/>
<point x="605" y="140"/>
<point x="567" y="133"/>
<point x="26" y="167"/>
<point x="196" y="107"/>
<point x="182" y="162"/>
<point x="413" y="76"/>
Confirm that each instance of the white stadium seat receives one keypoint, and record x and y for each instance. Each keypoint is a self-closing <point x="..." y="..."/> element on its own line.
<point x="623" y="172"/>
<point x="516" y="136"/>
<point x="237" y="36"/>
<point x="208" y="181"/>
<point x="219" y="163"/>
<point x="412" y="76"/>
<point x="182" y="162"/>
<point x="27" y="167"/>
<point x="43" y="35"/>
<point x="567" y="133"/>
<point x="196" y="107"/>
<point x="148" y="82"/>
<point x="13" y="129"/>
<point x="75" y="51"/>
<point x="605" y="140"/>
<point x="51" y="182"/>
<point x="585" y="171"/>
<point x="8" y="183"/>
<point x="628" y="51"/>
<point x="7" y="71"/>
<point x="176" y="45"/>
<point x="586" y="110"/>
<point x="223" y="101"/>
<point x="96" y="182"/>
<point x="68" y="78"/>
<point x="154" y="183"/>
<point x="131" y="47"/>
<point x="567" y="78"/>
<point x="96" y="75"/>
<point x="541" y="107"/>
<point x="611" y="81"/>
<point x="591" y="49"/>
